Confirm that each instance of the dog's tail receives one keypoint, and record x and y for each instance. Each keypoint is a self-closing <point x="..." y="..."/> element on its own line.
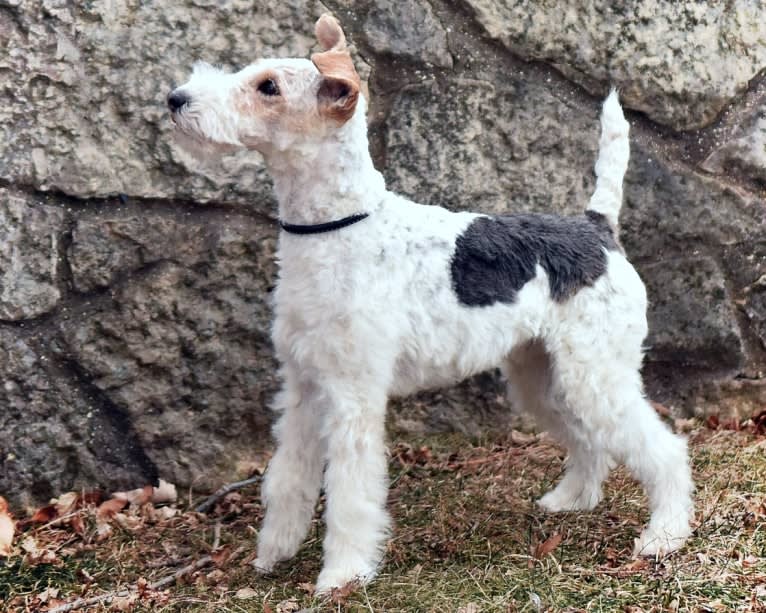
<point x="613" y="154"/>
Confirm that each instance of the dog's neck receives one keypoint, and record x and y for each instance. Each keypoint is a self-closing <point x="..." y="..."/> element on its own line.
<point x="330" y="180"/>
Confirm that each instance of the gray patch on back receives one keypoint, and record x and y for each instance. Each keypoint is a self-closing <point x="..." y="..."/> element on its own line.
<point x="496" y="256"/>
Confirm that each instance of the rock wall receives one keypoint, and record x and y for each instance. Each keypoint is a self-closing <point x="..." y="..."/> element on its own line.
<point x="134" y="280"/>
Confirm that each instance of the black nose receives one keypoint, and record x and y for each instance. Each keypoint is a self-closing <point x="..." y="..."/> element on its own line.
<point x="176" y="100"/>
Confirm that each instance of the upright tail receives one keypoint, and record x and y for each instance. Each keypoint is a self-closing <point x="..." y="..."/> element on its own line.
<point x="613" y="154"/>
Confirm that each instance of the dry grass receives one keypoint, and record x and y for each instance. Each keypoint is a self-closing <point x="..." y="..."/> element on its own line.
<point x="468" y="538"/>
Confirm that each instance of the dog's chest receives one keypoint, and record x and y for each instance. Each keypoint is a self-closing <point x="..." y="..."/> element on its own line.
<point x="363" y="288"/>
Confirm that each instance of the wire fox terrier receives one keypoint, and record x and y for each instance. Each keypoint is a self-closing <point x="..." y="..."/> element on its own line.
<point x="379" y="296"/>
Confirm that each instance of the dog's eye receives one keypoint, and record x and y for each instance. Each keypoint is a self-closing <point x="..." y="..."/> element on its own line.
<point x="269" y="88"/>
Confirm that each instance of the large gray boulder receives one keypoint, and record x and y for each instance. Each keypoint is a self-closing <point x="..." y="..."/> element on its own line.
<point x="59" y="431"/>
<point x="679" y="62"/>
<point x="135" y="280"/>
<point x="181" y="345"/>
<point x="82" y="107"/>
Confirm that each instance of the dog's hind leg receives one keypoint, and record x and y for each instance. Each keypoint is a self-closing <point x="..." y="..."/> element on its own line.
<point x="622" y="421"/>
<point x="293" y="478"/>
<point x="597" y="384"/>
<point x="586" y="467"/>
<point x="531" y="388"/>
<point x="659" y="460"/>
<point x="355" y="483"/>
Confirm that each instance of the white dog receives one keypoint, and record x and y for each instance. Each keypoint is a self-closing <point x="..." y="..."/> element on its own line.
<point x="379" y="297"/>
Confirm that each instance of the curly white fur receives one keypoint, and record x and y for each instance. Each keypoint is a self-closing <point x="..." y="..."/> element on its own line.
<point x="369" y="312"/>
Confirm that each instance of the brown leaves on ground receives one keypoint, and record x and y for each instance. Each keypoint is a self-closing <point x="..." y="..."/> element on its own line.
<point x="548" y="545"/>
<point x="162" y="494"/>
<point x="406" y="455"/>
<point x="756" y="424"/>
<point x="74" y="519"/>
<point x="339" y="595"/>
<point x="466" y="524"/>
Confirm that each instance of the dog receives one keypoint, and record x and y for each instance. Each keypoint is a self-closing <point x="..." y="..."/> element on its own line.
<point x="378" y="296"/>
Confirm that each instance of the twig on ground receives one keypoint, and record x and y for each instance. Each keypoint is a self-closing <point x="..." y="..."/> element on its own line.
<point x="216" y="535"/>
<point x="190" y="568"/>
<point x="87" y="602"/>
<point x="229" y="487"/>
<point x="82" y="603"/>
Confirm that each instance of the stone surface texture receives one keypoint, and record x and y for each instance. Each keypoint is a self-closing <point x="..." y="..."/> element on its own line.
<point x="679" y="62"/>
<point x="135" y="281"/>
<point x="745" y="152"/>
<point x="29" y="256"/>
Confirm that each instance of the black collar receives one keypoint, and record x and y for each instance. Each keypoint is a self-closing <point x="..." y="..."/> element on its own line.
<point x="318" y="228"/>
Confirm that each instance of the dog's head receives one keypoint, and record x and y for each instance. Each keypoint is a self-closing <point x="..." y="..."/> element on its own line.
<point x="272" y="104"/>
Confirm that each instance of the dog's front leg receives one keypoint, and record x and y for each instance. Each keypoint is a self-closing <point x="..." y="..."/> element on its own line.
<point x="356" y="485"/>
<point x="294" y="475"/>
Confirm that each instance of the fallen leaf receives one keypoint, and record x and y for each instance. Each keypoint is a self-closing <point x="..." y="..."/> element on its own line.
<point x="407" y="455"/>
<point x="110" y="508"/>
<point x="7" y="528"/>
<point x="219" y="557"/>
<point x="124" y="603"/>
<point x="288" y="606"/>
<point x="44" y="514"/>
<point x="522" y="439"/>
<point x="750" y="561"/>
<point x="636" y="565"/>
<point x="548" y="545"/>
<point x="245" y="593"/>
<point x="77" y="523"/>
<point x="91" y="497"/>
<point x="339" y="595"/>
<point x="66" y="503"/>
<point x="661" y="409"/>
<point x="128" y="522"/>
<point x="685" y="425"/>
<point x="215" y="576"/>
<point x="29" y="544"/>
<point x="307" y="587"/>
<point x="103" y="531"/>
<point x="142" y="585"/>
<point x="47" y="594"/>
<point x="136" y="497"/>
<point x="166" y="492"/>
<point x="164" y="513"/>
<point x="253" y="466"/>
<point x="35" y="555"/>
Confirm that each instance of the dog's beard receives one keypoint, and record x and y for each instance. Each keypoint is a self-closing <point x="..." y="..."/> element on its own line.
<point x="190" y="140"/>
<point x="198" y="148"/>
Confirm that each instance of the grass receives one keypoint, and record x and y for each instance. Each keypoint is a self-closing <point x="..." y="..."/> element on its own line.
<point x="467" y="538"/>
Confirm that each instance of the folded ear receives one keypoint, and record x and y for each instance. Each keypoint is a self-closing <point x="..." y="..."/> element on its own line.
<point x="339" y="91"/>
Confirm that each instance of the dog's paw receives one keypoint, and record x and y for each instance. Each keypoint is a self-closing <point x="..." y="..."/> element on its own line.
<point x="342" y="578"/>
<point x="657" y="542"/>
<point x="263" y="566"/>
<point x="560" y="499"/>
